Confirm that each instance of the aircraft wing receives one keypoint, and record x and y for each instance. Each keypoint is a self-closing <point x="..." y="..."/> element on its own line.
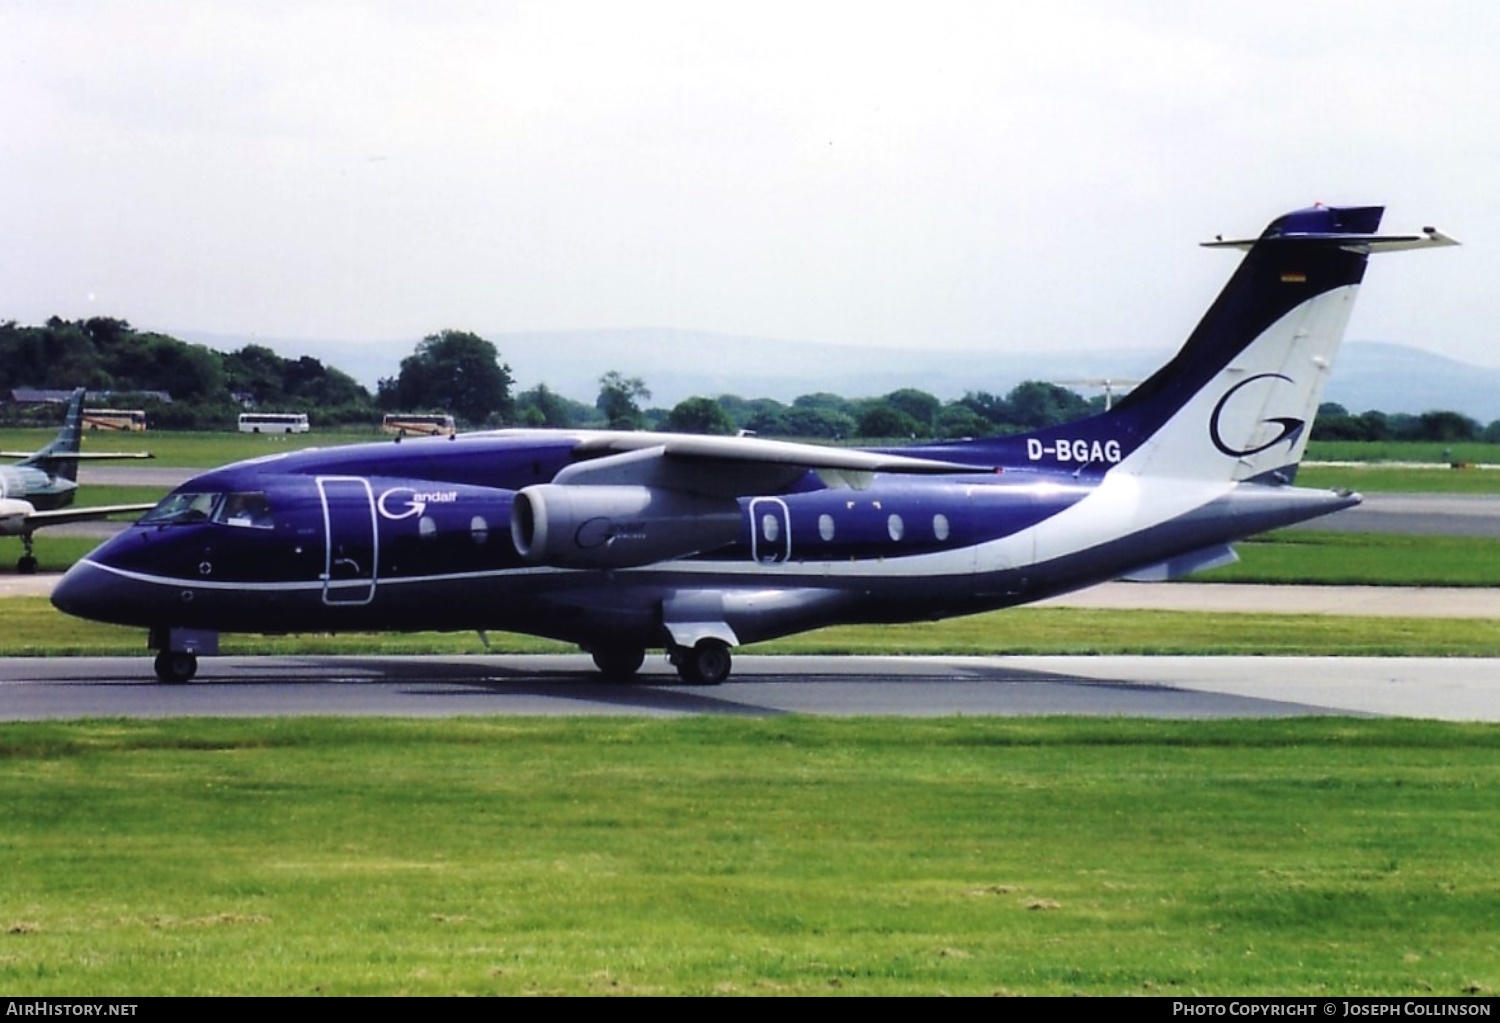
<point x="733" y="466"/>
<point x="61" y="516"/>
<point x="82" y="456"/>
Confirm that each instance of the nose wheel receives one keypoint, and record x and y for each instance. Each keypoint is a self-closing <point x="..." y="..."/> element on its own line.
<point x="707" y="663"/>
<point x="619" y="663"/>
<point x="175" y="668"/>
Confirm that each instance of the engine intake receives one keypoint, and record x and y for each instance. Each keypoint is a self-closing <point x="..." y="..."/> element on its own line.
<point x="617" y="526"/>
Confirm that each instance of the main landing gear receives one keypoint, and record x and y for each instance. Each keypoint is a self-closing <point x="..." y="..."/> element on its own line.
<point x="27" y="564"/>
<point x="707" y="663"/>
<point x="175" y="668"/>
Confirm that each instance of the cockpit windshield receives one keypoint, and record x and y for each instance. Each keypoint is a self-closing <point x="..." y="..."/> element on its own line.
<point x="241" y="508"/>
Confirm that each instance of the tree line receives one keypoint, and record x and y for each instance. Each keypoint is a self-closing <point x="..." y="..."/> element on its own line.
<point x="462" y="373"/>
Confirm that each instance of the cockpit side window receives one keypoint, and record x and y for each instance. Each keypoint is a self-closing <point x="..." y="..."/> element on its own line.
<point x="182" y="509"/>
<point x="239" y="508"/>
<point x="249" y="509"/>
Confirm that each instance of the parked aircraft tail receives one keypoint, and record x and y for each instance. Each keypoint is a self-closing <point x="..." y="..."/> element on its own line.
<point x="60" y="458"/>
<point x="1237" y="402"/>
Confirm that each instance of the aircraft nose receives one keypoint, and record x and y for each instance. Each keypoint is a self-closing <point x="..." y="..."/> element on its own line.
<point x="84" y="592"/>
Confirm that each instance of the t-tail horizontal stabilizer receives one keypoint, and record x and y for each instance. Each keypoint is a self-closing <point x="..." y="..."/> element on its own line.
<point x="1237" y="401"/>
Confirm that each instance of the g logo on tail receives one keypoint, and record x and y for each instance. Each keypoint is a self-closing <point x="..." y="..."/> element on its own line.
<point x="1290" y="425"/>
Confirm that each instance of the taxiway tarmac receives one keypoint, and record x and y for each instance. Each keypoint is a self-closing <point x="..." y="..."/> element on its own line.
<point x="1153" y="687"/>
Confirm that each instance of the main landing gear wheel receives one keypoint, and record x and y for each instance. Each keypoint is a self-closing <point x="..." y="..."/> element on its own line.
<point x="26" y="565"/>
<point x="176" y="668"/>
<point x="706" y="664"/>
<point x="619" y="663"/>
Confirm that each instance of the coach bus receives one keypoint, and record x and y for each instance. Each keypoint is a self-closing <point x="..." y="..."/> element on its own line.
<point x="404" y="424"/>
<point x="274" y="422"/>
<point x="126" y="420"/>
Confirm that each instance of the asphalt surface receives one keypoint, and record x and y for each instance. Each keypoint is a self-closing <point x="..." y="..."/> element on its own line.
<point x="1472" y="515"/>
<point x="1149" y="687"/>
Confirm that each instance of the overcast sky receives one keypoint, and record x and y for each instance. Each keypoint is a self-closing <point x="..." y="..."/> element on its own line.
<point x="979" y="175"/>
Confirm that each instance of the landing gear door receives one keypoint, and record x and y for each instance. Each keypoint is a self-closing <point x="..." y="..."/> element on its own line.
<point x="353" y="543"/>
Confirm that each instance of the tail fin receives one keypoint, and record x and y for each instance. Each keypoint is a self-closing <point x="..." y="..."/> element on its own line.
<point x="54" y="458"/>
<point x="1237" y="402"/>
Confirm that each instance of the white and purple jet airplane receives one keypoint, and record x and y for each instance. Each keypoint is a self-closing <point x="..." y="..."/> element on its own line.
<point x="625" y="542"/>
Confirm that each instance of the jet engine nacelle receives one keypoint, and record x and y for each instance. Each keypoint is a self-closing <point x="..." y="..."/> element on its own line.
<point x="617" y="526"/>
<point x="13" y="516"/>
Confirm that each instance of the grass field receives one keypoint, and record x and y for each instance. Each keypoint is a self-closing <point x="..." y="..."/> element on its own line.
<point x="190" y="449"/>
<point x="1295" y="556"/>
<point x="36" y="629"/>
<point x="734" y="856"/>
<point x="774" y="856"/>
<point x="1403" y="451"/>
<point x="1385" y="479"/>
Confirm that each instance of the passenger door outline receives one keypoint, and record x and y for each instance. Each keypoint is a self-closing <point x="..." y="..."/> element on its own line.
<point x="351" y="543"/>
<point x="770" y="531"/>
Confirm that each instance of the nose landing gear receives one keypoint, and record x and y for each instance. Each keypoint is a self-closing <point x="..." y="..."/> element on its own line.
<point x="175" y="668"/>
<point x="177" y="652"/>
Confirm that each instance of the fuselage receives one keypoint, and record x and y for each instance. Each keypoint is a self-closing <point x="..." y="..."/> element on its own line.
<point x="42" y="489"/>
<point x="417" y="535"/>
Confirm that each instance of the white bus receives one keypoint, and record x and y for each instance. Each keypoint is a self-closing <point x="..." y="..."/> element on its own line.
<point x="404" y="424"/>
<point x="273" y="422"/>
<point x="128" y="420"/>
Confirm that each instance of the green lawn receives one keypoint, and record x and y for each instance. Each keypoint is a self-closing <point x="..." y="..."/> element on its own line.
<point x="190" y="449"/>
<point x="1403" y="451"/>
<point x="35" y="628"/>
<point x="734" y="856"/>
<point x="1377" y="479"/>
<point x="775" y="856"/>
<point x="1295" y="556"/>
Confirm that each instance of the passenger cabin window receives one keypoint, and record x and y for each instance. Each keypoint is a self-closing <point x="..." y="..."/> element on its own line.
<point x="895" y="527"/>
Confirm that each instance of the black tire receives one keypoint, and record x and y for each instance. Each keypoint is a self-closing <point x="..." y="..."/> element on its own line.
<point x="26" y="565"/>
<point x="619" y="663"/>
<point x="175" y="668"/>
<point x="706" y="664"/>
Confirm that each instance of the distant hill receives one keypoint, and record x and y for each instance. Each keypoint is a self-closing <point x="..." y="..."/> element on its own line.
<point x="677" y="364"/>
<point x="1395" y="378"/>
